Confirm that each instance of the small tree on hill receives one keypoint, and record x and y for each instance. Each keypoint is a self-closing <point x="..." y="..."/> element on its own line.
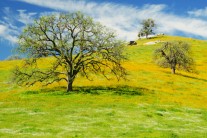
<point x="148" y="26"/>
<point x="174" y="55"/>
<point x="77" y="44"/>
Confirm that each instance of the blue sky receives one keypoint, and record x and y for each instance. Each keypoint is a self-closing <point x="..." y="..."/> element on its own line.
<point x="173" y="17"/>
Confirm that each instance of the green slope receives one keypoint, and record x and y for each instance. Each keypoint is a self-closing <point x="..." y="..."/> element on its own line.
<point x="152" y="103"/>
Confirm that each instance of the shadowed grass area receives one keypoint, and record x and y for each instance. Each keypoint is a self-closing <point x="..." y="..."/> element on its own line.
<point x="191" y="77"/>
<point x="115" y="90"/>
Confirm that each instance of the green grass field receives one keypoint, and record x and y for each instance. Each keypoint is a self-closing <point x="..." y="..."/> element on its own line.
<point x="151" y="103"/>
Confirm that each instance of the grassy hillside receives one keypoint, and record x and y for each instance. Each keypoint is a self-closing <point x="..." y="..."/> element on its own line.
<point x="151" y="103"/>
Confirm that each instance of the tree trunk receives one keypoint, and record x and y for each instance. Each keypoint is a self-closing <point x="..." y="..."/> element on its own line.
<point x="173" y="70"/>
<point x="70" y="86"/>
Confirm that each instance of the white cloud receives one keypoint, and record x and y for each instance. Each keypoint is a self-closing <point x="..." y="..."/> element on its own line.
<point x="2" y="29"/>
<point x="8" y="29"/>
<point x="25" y="18"/>
<point x="11" y="38"/>
<point x="5" y="33"/>
<point x="170" y="23"/>
<point x="125" y="19"/>
<point x="198" y="12"/>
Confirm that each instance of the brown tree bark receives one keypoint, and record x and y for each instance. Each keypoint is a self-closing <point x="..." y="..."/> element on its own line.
<point x="70" y="86"/>
<point x="173" y="70"/>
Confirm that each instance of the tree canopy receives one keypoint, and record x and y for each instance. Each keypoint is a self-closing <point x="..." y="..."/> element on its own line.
<point x="175" y="55"/>
<point x="78" y="45"/>
<point x="147" y="28"/>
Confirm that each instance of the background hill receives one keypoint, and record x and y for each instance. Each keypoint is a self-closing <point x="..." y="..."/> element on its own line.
<point x="151" y="103"/>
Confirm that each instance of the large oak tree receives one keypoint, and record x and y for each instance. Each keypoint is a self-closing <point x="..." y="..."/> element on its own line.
<point x="77" y="44"/>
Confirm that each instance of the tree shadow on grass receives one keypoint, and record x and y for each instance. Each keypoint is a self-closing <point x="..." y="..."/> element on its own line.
<point x="54" y="91"/>
<point x="187" y="76"/>
<point x="95" y="90"/>
<point x="116" y="90"/>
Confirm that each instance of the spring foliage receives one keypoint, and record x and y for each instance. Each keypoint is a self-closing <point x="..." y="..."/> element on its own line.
<point x="78" y="44"/>
<point x="148" y="26"/>
<point x="175" y="55"/>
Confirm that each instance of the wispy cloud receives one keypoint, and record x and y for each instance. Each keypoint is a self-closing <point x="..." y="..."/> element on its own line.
<point x="2" y="29"/>
<point x="3" y="34"/>
<point x="198" y="12"/>
<point x="8" y="34"/>
<point x="121" y="18"/>
<point x="125" y="19"/>
<point x="25" y="18"/>
<point x="8" y="28"/>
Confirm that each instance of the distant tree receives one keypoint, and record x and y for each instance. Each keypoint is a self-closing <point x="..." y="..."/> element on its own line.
<point x="175" y="55"/>
<point x="148" y="26"/>
<point x="77" y="44"/>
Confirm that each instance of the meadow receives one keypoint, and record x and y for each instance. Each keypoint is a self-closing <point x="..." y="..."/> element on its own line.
<point x="150" y="103"/>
